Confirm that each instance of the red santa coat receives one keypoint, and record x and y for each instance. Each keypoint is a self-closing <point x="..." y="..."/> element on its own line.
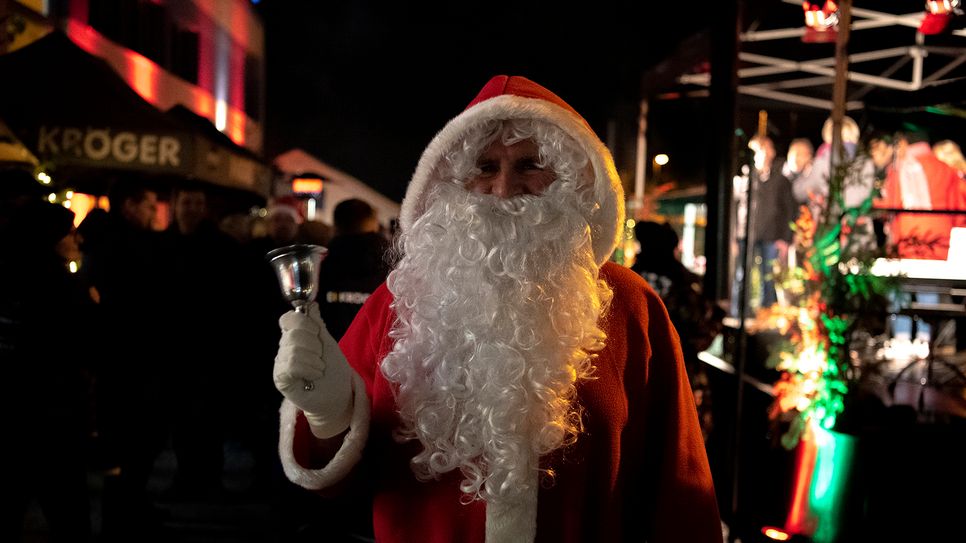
<point x="638" y="472"/>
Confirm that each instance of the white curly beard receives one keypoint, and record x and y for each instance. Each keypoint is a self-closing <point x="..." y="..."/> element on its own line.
<point x="497" y="303"/>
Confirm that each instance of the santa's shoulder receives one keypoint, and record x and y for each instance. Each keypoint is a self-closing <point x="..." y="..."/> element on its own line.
<point x="628" y="286"/>
<point x="623" y="279"/>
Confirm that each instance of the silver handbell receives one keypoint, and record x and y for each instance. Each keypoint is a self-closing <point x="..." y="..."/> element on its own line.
<point x="297" y="269"/>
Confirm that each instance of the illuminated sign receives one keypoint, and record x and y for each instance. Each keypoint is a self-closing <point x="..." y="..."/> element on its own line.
<point x="307" y="185"/>
<point x="112" y="147"/>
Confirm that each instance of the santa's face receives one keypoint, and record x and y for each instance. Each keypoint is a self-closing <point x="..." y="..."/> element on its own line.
<point x="497" y="298"/>
<point x="506" y="171"/>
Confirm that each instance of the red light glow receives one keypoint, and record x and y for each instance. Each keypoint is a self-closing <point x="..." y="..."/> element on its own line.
<point x="143" y="75"/>
<point x="236" y="126"/>
<point x="798" y="520"/>
<point x="155" y="85"/>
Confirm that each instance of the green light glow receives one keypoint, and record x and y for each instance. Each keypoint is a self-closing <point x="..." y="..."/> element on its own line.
<point x="833" y="466"/>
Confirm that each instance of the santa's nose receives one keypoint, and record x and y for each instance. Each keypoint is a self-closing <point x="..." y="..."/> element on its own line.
<point x="505" y="184"/>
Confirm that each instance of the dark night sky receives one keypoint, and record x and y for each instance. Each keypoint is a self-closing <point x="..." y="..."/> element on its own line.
<point x="365" y="87"/>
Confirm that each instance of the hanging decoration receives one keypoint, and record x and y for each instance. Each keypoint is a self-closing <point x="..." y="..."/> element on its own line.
<point x="821" y="21"/>
<point x="938" y="15"/>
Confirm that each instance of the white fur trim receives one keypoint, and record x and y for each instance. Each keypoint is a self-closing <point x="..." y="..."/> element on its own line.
<point x="606" y="224"/>
<point x="347" y="456"/>
<point x="514" y="522"/>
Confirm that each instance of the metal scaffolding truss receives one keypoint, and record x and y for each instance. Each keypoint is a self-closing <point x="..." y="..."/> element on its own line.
<point x="902" y="61"/>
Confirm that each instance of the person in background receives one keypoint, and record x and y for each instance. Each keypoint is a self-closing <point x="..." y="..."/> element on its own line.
<point x="18" y="187"/>
<point x="356" y="264"/>
<point x="282" y="223"/>
<point x="316" y="233"/>
<point x="130" y="271"/>
<point x="238" y="226"/>
<point x="507" y="383"/>
<point x="812" y="188"/>
<point x="799" y="160"/>
<point x="917" y="179"/>
<point x="46" y="319"/>
<point x="949" y="153"/>
<point x="773" y="209"/>
<point x="198" y="251"/>
<point x="696" y="317"/>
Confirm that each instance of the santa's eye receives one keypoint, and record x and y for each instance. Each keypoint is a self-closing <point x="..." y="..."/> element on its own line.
<point x="488" y="167"/>
<point x="529" y="165"/>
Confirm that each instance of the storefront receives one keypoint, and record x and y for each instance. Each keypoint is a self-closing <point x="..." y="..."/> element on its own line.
<point x="89" y="129"/>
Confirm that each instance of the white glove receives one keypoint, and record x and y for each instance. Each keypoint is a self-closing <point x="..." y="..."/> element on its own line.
<point x="313" y="374"/>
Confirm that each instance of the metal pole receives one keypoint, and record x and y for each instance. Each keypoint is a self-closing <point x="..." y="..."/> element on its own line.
<point x="720" y="177"/>
<point x="839" y="89"/>
<point x="641" y="169"/>
<point x="721" y="160"/>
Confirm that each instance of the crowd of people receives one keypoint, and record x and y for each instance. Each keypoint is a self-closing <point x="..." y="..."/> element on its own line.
<point x="898" y="174"/>
<point x="123" y="341"/>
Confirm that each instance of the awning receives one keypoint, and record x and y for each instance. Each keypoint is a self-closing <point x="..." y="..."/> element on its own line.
<point x="77" y="115"/>
<point x="222" y="161"/>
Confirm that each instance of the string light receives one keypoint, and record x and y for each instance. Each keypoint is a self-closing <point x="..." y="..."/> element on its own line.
<point x="775" y="533"/>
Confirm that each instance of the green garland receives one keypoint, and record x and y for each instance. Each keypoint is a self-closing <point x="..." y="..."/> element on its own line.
<point x="830" y="296"/>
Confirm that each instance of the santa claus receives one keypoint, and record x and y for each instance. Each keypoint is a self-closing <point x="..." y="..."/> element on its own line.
<point x="506" y="383"/>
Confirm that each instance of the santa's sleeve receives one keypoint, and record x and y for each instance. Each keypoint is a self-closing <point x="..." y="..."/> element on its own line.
<point x="677" y="478"/>
<point x="318" y="464"/>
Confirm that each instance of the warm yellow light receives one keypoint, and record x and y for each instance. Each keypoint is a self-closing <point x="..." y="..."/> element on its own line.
<point x="43" y="178"/>
<point x="307" y="185"/>
<point x="69" y="194"/>
<point x="776" y="534"/>
<point x="72" y="266"/>
<point x="51" y="197"/>
<point x="661" y="159"/>
<point x="66" y="203"/>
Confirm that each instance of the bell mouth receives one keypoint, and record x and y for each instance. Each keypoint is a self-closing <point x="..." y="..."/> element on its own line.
<point x="298" y="249"/>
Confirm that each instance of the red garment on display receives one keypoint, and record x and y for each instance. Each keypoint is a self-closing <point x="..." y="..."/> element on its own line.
<point x="945" y="192"/>
<point x="638" y="472"/>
